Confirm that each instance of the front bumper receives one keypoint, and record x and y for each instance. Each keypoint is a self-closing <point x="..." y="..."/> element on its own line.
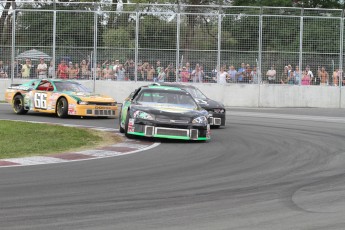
<point x="168" y="130"/>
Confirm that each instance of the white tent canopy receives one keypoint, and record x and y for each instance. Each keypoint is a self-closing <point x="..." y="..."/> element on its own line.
<point x="33" y="55"/>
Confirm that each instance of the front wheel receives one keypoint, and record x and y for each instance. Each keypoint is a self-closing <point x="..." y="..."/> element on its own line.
<point x="126" y="126"/>
<point x="122" y="130"/>
<point x="18" y="105"/>
<point x="62" y="108"/>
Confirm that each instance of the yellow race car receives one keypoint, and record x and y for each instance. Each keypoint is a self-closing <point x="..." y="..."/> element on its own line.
<point x="59" y="97"/>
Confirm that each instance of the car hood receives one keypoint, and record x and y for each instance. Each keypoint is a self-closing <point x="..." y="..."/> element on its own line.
<point x="209" y="103"/>
<point x="166" y="110"/>
<point x="90" y="96"/>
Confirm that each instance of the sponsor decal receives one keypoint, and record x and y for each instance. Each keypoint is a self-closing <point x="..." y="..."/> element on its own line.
<point x="102" y="107"/>
<point x="21" y="87"/>
<point x="130" y="125"/>
<point x="71" y="109"/>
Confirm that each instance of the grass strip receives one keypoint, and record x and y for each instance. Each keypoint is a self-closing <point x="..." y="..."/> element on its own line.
<point x="22" y="139"/>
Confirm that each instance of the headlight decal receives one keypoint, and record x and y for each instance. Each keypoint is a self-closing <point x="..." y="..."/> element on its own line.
<point x="200" y="120"/>
<point x="143" y="115"/>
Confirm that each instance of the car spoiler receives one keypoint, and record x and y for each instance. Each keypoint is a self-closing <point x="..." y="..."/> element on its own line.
<point x="15" y="85"/>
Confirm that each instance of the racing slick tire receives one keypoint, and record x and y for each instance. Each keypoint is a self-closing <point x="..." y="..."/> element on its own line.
<point x="122" y="130"/>
<point x="126" y="126"/>
<point x="62" y="108"/>
<point x="18" y="105"/>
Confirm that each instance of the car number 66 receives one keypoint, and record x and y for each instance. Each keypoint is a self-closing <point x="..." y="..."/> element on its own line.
<point x="40" y="100"/>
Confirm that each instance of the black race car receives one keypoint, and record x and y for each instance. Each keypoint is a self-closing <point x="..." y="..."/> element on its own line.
<point x="215" y="109"/>
<point x="164" y="112"/>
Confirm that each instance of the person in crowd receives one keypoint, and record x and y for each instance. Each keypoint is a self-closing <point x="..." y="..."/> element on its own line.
<point x="115" y="65"/>
<point x="140" y="75"/>
<point x="185" y="76"/>
<point x="72" y="71"/>
<point x="223" y="76"/>
<point x="17" y="69"/>
<point x="51" y="70"/>
<point x="313" y="80"/>
<point x="232" y="73"/>
<point x="130" y="71"/>
<point x="197" y="74"/>
<point x="77" y="70"/>
<point x="162" y="75"/>
<point x="85" y="69"/>
<point x="99" y="71"/>
<point x="324" y="76"/>
<point x="247" y="74"/>
<point x="271" y="75"/>
<point x="170" y="73"/>
<point x="240" y="73"/>
<point x="150" y="72"/>
<point x="108" y="73"/>
<point x="26" y="68"/>
<point x="120" y="73"/>
<point x="42" y="69"/>
<point x="335" y="77"/>
<point x="297" y="75"/>
<point x="189" y="69"/>
<point x="62" y="71"/>
<point x="255" y="75"/>
<point x="3" y="70"/>
<point x="203" y="73"/>
<point x="305" y="78"/>
<point x="158" y="69"/>
<point x="285" y="75"/>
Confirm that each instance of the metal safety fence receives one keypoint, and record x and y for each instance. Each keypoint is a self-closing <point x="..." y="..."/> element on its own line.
<point x="185" y="43"/>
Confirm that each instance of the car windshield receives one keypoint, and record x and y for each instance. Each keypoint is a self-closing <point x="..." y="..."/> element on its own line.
<point x="166" y="98"/>
<point x="71" y="86"/>
<point x="195" y="92"/>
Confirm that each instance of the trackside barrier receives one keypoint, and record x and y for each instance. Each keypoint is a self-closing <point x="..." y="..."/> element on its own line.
<point x="234" y="95"/>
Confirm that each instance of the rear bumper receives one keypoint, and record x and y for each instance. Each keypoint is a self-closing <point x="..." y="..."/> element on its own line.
<point x="217" y="119"/>
<point x="92" y="110"/>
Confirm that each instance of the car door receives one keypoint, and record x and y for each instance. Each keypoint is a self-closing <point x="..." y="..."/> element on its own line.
<point x="42" y="97"/>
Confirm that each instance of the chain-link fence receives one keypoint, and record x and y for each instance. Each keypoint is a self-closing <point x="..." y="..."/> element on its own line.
<point x="185" y="43"/>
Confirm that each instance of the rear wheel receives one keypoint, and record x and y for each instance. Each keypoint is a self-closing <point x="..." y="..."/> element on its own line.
<point x="62" y="108"/>
<point x="18" y="104"/>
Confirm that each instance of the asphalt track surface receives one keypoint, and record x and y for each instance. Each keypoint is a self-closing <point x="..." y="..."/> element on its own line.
<point x="268" y="169"/>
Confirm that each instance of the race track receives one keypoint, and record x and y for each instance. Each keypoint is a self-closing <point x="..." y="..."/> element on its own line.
<point x="268" y="169"/>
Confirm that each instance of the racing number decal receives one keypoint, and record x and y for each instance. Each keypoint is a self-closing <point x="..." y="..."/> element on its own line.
<point x="40" y="100"/>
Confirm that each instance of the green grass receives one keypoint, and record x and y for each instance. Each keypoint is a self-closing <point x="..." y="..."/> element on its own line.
<point x="20" y="139"/>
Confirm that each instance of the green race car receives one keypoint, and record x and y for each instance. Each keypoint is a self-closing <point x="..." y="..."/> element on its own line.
<point x="163" y="112"/>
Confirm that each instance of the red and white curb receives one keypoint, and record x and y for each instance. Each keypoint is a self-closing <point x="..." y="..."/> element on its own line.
<point x="119" y="149"/>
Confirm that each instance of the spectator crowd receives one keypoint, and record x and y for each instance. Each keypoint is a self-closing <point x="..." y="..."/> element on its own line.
<point x="157" y="72"/>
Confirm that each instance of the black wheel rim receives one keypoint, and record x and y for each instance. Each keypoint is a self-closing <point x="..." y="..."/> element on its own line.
<point x="60" y="107"/>
<point x="17" y="104"/>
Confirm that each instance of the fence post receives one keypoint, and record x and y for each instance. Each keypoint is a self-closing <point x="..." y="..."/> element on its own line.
<point x="300" y="62"/>
<point x="136" y="42"/>
<point x="13" y="40"/>
<point x="341" y="52"/>
<point x="178" y="28"/>
<point x="94" y="69"/>
<point x="219" y="41"/>
<point x="259" y="69"/>
<point x="54" y="40"/>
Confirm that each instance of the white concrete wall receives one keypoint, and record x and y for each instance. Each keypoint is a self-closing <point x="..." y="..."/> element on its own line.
<point x="234" y="95"/>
